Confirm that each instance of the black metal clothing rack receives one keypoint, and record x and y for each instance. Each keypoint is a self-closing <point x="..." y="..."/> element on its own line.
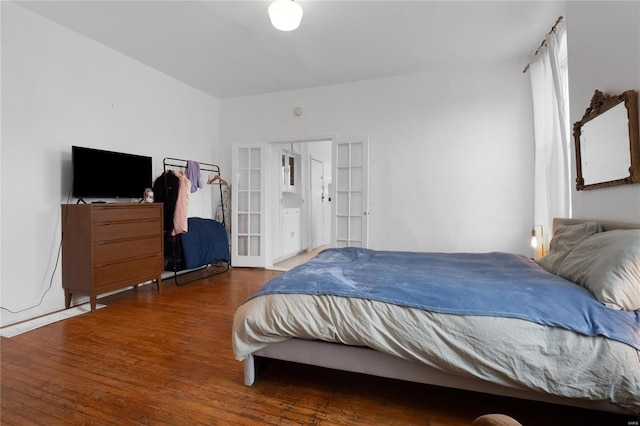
<point x="169" y="164"/>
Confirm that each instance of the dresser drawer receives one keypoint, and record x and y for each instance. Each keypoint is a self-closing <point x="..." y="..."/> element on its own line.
<point x="130" y="272"/>
<point x="127" y="213"/>
<point x="118" y="231"/>
<point x="123" y="250"/>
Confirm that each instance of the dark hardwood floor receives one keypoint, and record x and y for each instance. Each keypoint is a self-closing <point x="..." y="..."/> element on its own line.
<point x="152" y="358"/>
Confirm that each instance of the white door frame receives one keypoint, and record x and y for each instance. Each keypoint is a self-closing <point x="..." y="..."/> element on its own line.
<point x="274" y="197"/>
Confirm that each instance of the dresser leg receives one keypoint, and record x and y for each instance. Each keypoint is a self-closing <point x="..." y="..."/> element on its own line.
<point x="92" y="301"/>
<point x="67" y="298"/>
<point x="158" y="282"/>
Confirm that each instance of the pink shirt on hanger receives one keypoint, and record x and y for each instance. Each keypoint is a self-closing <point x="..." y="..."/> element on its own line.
<point x="180" y="216"/>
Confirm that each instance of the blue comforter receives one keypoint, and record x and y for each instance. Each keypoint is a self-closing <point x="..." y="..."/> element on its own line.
<point x="489" y="284"/>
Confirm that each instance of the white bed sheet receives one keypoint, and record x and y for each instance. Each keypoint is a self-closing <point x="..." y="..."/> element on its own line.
<point x="511" y="352"/>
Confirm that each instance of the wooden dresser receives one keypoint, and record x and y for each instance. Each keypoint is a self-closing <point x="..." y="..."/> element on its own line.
<point x="107" y="247"/>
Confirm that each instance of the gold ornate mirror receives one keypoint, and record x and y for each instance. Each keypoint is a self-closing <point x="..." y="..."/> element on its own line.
<point x="606" y="140"/>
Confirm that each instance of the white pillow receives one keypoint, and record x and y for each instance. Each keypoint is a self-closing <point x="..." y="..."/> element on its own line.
<point x="565" y="238"/>
<point x="608" y="265"/>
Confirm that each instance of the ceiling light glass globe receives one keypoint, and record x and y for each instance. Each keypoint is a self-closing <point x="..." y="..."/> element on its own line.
<point x="285" y="15"/>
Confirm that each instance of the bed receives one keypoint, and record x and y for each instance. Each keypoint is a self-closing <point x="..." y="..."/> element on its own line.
<point x="520" y="349"/>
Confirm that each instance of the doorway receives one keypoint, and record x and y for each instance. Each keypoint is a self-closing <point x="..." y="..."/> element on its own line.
<point x="300" y="220"/>
<point x="264" y="178"/>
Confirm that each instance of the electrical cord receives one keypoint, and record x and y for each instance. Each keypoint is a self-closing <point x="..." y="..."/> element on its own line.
<point x="55" y="267"/>
<point x="53" y="273"/>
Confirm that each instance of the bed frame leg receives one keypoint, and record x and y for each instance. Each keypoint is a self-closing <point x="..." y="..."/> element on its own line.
<point x="249" y="370"/>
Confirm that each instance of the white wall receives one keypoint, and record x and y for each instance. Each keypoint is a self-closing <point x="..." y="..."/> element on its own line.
<point x="603" y="40"/>
<point x="451" y="152"/>
<point x="61" y="89"/>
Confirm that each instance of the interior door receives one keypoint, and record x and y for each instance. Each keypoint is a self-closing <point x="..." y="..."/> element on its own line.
<point x="350" y="206"/>
<point x="249" y="201"/>
<point x="317" y="203"/>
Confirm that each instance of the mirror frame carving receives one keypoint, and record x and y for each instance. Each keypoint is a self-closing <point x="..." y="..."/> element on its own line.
<point x="601" y="103"/>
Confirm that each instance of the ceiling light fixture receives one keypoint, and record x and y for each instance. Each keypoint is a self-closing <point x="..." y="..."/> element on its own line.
<point x="285" y="15"/>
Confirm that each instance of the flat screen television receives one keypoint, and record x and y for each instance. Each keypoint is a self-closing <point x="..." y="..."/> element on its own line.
<point x="106" y="174"/>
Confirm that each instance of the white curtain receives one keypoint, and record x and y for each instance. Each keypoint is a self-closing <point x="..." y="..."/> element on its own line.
<point x="552" y="175"/>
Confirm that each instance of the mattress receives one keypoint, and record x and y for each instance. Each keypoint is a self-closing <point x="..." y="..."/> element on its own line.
<point x="507" y="351"/>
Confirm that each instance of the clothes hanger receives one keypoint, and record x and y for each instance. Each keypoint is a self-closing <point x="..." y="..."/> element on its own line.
<point x="215" y="178"/>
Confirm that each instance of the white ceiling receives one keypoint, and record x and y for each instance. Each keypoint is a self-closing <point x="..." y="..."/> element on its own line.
<point x="230" y="49"/>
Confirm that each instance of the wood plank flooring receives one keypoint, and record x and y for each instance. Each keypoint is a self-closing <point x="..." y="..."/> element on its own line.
<point x="294" y="261"/>
<point x="152" y="358"/>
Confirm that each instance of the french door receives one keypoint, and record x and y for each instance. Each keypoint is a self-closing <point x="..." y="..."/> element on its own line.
<point x="248" y="239"/>
<point x="350" y="207"/>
